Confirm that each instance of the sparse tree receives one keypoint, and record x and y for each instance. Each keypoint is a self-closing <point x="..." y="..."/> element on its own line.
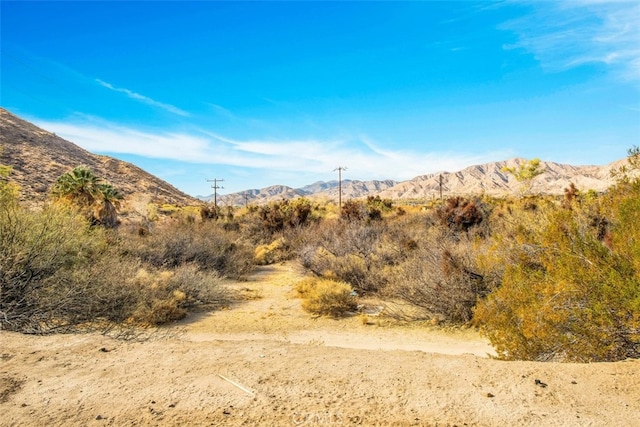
<point x="525" y="173"/>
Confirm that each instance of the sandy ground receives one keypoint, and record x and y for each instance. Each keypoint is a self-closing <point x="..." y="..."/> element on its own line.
<point x="265" y="362"/>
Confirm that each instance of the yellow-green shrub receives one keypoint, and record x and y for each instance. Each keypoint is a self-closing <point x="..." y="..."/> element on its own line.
<point x="566" y="295"/>
<point x="326" y="297"/>
<point x="268" y="254"/>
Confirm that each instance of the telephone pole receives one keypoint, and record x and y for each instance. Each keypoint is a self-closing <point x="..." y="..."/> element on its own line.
<point x="440" y="187"/>
<point x="215" y="187"/>
<point x="340" y="169"/>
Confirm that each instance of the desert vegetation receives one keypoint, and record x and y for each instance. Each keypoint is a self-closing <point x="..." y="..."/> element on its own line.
<point x="64" y="269"/>
<point x="545" y="278"/>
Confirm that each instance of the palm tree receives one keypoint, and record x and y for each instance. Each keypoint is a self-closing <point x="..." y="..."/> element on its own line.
<point x="107" y="213"/>
<point x="98" y="200"/>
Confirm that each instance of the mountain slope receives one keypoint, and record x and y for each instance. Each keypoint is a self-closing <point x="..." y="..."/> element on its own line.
<point x="490" y="179"/>
<point x="39" y="157"/>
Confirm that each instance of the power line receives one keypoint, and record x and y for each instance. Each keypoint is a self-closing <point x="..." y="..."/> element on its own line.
<point x="215" y="187"/>
<point x="340" y="169"/>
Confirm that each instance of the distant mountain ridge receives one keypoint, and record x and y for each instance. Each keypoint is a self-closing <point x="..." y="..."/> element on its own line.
<point x="491" y="179"/>
<point x="488" y="178"/>
<point x="351" y="189"/>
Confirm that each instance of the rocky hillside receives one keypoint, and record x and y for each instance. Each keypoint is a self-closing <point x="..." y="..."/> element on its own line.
<point x="490" y="179"/>
<point x="39" y="157"/>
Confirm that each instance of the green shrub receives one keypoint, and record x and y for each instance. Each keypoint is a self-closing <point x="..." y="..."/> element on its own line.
<point x="326" y="297"/>
<point x="565" y="295"/>
<point x="570" y="288"/>
<point x="33" y="247"/>
<point x="58" y="274"/>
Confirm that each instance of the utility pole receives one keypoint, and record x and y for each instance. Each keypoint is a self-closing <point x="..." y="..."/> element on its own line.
<point x="215" y="187"/>
<point x="440" y="179"/>
<point x="246" y="200"/>
<point x="340" y="169"/>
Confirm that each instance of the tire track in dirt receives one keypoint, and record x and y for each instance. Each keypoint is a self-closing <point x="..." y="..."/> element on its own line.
<point x="272" y="312"/>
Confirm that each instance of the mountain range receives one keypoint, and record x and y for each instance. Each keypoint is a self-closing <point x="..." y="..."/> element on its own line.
<point x="489" y="179"/>
<point x="39" y="157"/>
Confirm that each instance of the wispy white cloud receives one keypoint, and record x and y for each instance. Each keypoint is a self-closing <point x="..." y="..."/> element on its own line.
<point x="364" y="157"/>
<point x="563" y="35"/>
<point x="221" y="111"/>
<point x="144" y="99"/>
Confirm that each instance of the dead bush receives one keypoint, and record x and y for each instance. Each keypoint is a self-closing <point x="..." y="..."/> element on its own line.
<point x="206" y="244"/>
<point x="346" y="251"/>
<point x="285" y="214"/>
<point x="168" y="295"/>
<point x="370" y="210"/>
<point x="460" y="214"/>
<point x="440" y="276"/>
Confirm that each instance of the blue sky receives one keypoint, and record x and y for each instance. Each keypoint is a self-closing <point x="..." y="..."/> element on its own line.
<point x="264" y="93"/>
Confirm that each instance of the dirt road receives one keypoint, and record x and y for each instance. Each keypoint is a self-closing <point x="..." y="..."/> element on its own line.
<point x="264" y="362"/>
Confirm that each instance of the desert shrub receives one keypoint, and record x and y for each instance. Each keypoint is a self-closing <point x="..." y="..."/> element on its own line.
<point x="571" y="196"/>
<point x="275" y="251"/>
<point x="261" y="225"/>
<point x="92" y="293"/>
<point x="33" y="247"/>
<point x="278" y="215"/>
<point x="346" y="251"/>
<point x="326" y="297"/>
<point x="168" y="295"/>
<point x="460" y="214"/>
<point x="440" y="275"/>
<point x="361" y="253"/>
<point x="564" y="294"/>
<point x="209" y="212"/>
<point x="525" y="173"/>
<point x="383" y="205"/>
<point x="353" y="210"/>
<point x="58" y="274"/>
<point x="207" y="244"/>
<point x="370" y="210"/>
<point x="8" y="190"/>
